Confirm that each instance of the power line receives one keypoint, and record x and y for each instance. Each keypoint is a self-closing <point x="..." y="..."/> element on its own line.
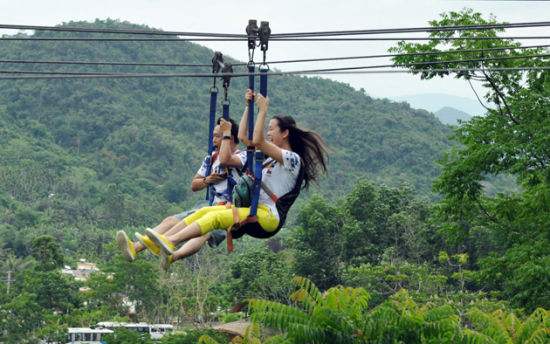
<point x="118" y="31"/>
<point x="331" y="39"/>
<point x="275" y="35"/>
<point x="427" y="53"/>
<point x="291" y="39"/>
<point x="424" y="63"/>
<point x="8" y="71"/>
<point x="144" y="64"/>
<point x="109" y="63"/>
<point x="415" y="29"/>
<point x="441" y="70"/>
<point x="299" y="72"/>
<point x="83" y="39"/>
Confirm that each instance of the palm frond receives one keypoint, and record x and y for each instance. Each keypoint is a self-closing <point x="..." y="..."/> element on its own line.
<point x="205" y="339"/>
<point x="489" y="325"/>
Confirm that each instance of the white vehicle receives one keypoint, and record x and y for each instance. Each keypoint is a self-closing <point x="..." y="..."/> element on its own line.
<point x="86" y="335"/>
<point x="156" y="331"/>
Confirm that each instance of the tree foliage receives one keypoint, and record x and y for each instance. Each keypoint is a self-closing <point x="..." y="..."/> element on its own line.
<point x="343" y="315"/>
<point x="511" y="138"/>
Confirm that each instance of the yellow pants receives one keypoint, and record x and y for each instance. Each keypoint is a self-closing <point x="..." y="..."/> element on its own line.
<point x="216" y="217"/>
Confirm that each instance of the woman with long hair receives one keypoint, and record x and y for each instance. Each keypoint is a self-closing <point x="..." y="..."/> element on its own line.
<point x="295" y="157"/>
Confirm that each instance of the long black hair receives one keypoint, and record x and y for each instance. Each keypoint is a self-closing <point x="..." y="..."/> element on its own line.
<point x="308" y="145"/>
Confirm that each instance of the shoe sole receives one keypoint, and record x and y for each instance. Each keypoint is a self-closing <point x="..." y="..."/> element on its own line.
<point x="163" y="247"/>
<point x="164" y="265"/>
<point x="138" y="237"/>
<point x="122" y="242"/>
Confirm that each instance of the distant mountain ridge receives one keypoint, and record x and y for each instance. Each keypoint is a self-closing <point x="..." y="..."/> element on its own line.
<point x="450" y="115"/>
<point x="435" y="101"/>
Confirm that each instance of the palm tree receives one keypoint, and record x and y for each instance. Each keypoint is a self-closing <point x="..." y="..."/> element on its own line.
<point x="11" y="265"/>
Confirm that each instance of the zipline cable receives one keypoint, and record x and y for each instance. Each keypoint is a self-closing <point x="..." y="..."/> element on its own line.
<point x="416" y="29"/>
<point x="298" y="72"/>
<point x="216" y="73"/>
<point x="280" y="35"/>
<point x="116" y="31"/>
<point x="341" y="58"/>
<point x="341" y="39"/>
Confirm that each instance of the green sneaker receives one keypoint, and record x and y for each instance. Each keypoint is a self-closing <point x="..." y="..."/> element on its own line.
<point x="145" y="241"/>
<point x="162" y="241"/>
<point x="166" y="261"/>
<point x="126" y="246"/>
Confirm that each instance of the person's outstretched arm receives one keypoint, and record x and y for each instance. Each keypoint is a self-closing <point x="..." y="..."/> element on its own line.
<point x="243" y="126"/>
<point x="227" y="157"/>
<point x="259" y="140"/>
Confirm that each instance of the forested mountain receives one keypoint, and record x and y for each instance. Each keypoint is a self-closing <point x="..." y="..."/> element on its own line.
<point x="115" y="152"/>
<point x="360" y="262"/>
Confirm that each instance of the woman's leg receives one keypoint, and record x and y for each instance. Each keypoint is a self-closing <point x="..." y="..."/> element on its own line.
<point x="192" y="218"/>
<point x="219" y="217"/>
<point x="197" y="233"/>
<point x="191" y="247"/>
<point x="161" y="228"/>
<point x="130" y="248"/>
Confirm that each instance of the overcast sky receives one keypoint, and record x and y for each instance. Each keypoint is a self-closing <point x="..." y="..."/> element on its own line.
<point x="231" y="16"/>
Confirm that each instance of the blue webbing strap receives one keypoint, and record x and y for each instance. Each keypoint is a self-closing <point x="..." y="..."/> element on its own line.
<point x="259" y="155"/>
<point x="228" y="194"/>
<point x="226" y="109"/>
<point x="258" y="160"/>
<point x="250" y="149"/>
<point x="209" y="162"/>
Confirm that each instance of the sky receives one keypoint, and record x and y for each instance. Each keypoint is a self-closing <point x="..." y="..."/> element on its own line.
<point x="231" y="16"/>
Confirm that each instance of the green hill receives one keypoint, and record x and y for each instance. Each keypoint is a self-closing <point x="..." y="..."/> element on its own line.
<point x="109" y="153"/>
<point x="450" y="115"/>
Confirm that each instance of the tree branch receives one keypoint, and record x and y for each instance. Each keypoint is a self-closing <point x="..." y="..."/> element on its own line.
<point x="501" y="96"/>
<point x="477" y="96"/>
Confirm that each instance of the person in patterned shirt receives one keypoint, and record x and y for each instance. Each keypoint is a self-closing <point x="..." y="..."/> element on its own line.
<point x="217" y="180"/>
<point x="294" y="157"/>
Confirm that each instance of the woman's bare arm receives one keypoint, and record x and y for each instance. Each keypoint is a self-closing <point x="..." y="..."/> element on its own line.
<point x="259" y="140"/>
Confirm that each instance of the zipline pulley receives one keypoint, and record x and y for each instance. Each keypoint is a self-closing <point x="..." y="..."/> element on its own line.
<point x="252" y="33"/>
<point x="264" y="33"/>
<point x="217" y="64"/>
<point x="227" y="70"/>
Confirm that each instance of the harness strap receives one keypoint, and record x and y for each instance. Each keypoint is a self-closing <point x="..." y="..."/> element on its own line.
<point x="268" y="164"/>
<point x="250" y="149"/>
<point x="235" y="224"/>
<point x="217" y="62"/>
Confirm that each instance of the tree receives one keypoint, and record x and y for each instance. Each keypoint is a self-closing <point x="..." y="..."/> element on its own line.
<point x="342" y="315"/>
<point x="369" y="222"/>
<point x="380" y="217"/>
<point x="11" y="265"/>
<point x="47" y="252"/>
<point x="126" y="336"/>
<point x="388" y="277"/>
<point x="19" y="317"/>
<point x="53" y="290"/>
<point x="260" y="273"/>
<point x="137" y="282"/>
<point x="511" y="139"/>
<point x="318" y="242"/>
